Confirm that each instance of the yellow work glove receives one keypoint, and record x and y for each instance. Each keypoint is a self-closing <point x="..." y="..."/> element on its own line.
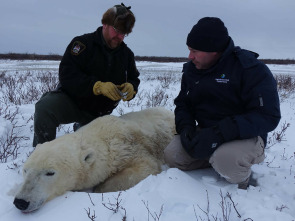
<point x="127" y="91"/>
<point x="107" y="89"/>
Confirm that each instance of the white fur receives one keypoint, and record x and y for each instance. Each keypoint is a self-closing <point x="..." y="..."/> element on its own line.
<point x="111" y="153"/>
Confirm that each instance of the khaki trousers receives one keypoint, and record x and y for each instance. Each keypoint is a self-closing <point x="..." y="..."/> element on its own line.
<point x="232" y="160"/>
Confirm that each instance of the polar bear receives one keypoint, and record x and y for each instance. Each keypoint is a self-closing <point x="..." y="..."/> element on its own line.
<point x="110" y="153"/>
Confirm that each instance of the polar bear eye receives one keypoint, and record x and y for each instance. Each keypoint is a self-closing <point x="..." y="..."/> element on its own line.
<point x="50" y="173"/>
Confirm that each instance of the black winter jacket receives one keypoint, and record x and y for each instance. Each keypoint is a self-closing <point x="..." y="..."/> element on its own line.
<point x="238" y="86"/>
<point x="87" y="60"/>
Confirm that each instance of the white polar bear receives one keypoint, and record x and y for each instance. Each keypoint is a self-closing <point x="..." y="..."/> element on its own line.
<point x="110" y="153"/>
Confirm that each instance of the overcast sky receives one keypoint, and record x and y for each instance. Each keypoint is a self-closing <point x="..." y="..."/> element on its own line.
<point x="47" y="26"/>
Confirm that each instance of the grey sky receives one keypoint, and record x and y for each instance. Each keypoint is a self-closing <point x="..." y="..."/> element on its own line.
<point x="47" y="26"/>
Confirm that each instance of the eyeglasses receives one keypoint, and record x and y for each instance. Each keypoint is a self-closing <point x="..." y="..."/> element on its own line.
<point x="119" y="32"/>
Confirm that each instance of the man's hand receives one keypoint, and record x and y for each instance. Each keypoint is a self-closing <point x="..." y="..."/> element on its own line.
<point x="127" y="91"/>
<point x="205" y="142"/>
<point x="107" y="89"/>
<point x="201" y="144"/>
<point x="186" y="136"/>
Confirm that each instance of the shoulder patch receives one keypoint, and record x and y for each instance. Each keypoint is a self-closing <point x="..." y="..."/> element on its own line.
<point x="77" y="48"/>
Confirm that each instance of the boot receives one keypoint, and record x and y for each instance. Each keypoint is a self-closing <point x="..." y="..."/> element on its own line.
<point x="250" y="181"/>
<point x="76" y="126"/>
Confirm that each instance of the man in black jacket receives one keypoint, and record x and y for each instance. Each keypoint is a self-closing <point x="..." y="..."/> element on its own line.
<point x="227" y="104"/>
<point x="95" y="73"/>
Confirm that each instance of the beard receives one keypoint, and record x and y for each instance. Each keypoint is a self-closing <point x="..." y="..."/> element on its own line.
<point x="114" y="42"/>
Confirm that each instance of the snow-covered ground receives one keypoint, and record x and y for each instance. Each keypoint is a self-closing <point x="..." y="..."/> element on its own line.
<point x="169" y="196"/>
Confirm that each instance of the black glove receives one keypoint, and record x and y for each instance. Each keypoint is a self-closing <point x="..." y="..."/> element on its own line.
<point x="202" y="143"/>
<point x="186" y="136"/>
<point x="205" y="143"/>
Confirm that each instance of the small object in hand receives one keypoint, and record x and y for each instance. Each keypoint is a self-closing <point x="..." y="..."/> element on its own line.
<point x="123" y="95"/>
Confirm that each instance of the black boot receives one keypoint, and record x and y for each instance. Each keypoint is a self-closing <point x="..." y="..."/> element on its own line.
<point x="76" y="126"/>
<point x="250" y="181"/>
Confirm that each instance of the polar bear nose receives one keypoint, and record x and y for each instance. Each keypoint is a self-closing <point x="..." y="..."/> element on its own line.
<point x="21" y="204"/>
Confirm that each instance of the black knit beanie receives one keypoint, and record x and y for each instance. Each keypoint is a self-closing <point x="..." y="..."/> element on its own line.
<point x="209" y="35"/>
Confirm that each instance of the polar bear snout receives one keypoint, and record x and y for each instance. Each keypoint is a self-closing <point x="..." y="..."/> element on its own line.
<point x="27" y="206"/>
<point x="35" y="189"/>
<point x="21" y="204"/>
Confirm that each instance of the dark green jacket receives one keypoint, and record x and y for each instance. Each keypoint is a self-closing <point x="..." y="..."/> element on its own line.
<point x="87" y="60"/>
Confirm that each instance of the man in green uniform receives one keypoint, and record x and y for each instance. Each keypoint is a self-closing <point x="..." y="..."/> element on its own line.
<point x="96" y="72"/>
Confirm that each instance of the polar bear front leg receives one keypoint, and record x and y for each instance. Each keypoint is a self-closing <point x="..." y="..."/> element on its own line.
<point x="130" y="176"/>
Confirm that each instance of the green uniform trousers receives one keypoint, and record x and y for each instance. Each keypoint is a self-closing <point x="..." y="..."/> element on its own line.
<point x="55" y="108"/>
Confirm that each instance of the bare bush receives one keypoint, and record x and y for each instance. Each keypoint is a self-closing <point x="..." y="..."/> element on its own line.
<point x="270" y="162"/>
<point x="116" y="206"/>
<point x="166" y="79"/>
<point x="281" y="208"/>
<point x="2" y="77"/>
<point x="48" y="80"/>
<point x="205" y="211"/>
<point x="138" y="99"/>
<point x="24" y="89"/>
<point x="10" y="93"/>
<point x="156" y="98"/>
<point x="286" y="85"/>
<point x="30" y="91"/>
<point x="225" y="204"/>
<point x="154" y="215"/>
<point x="10" y="140"/>
<point x="120" y="111"/>
<point x="277" y="136"/>
<point x="92" y="217"/>
<point x="66" y="129"/>
<point x="15" y="165"/>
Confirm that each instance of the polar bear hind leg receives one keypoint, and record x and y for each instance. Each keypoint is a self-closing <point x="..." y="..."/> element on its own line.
<point x="130" y="176"/>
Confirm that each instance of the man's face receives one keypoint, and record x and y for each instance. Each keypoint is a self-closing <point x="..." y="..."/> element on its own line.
<point x="203" y="60"/>
<point x="112" y="36"/>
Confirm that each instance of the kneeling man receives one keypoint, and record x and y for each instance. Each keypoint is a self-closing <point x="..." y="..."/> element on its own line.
<point x="227" y="104"/>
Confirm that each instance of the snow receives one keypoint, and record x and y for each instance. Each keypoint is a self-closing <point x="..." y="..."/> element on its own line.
<point x="171" y="195"/>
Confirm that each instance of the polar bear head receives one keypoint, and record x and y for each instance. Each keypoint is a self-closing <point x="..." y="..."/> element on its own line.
<point x="54" y="168"/>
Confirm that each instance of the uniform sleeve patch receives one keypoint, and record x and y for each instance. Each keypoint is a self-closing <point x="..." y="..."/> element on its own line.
<point x="77" y="48"/>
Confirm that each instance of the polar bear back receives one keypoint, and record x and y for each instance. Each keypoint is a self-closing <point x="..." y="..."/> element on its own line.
<point x="153" y="119"/>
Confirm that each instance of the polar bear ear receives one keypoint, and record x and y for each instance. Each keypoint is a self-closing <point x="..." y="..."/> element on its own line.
<point x="88" y="156"/>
